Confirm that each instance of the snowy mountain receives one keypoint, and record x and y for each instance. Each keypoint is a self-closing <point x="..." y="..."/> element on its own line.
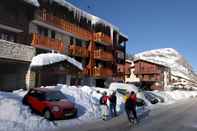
<point x="171" y="58"/>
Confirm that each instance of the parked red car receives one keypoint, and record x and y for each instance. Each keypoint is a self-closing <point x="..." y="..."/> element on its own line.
<point x="52" y="104"/>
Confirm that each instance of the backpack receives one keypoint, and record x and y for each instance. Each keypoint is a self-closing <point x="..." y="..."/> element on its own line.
<point x="101" y="101"/>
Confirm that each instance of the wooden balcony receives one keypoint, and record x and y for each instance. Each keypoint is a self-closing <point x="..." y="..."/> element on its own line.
<point x="101" y="37"/>
<point x="120" y="54"/>
<point x="42" y="15"/>
<point x="75" y="50"/>
<point x="102" y="72"/>
<point x="120" y="68"/>
<point x="103" y="55"/>
<point x="146" y="71"/>
<point x="86" y="71"/>
<point x="47" y="43"/>
<point x="148" y="79"/>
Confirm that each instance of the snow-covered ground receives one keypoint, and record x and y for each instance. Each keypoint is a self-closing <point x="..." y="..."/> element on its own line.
<point x="14" y="115"/>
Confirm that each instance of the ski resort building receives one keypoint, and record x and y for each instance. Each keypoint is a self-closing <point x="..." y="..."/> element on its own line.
<point x="152" y="76"/>
<point x="32" y="27"/>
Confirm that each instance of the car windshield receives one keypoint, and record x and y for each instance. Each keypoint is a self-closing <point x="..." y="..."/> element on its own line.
<point x="54" y="96"/>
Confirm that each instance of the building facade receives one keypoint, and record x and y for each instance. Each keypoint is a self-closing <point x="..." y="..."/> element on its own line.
<point x="15" y="52"/>
<point x="152" y="76"/>
<point x="55" y="27"/>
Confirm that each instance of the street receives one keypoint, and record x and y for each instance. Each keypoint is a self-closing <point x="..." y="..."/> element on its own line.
<point x="181" y="116"/>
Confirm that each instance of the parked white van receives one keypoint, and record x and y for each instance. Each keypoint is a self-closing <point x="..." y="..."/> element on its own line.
<point x="123" y="88"/>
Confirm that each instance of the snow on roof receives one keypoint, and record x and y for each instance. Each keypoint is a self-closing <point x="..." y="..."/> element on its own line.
<point x="33" y="2"/>
<point x="122" y="34"/>
<point x="50" y="58"/>
<point x="94" y="19"/>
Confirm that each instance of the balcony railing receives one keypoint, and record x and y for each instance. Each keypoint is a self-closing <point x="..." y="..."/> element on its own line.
<point x="42" y="15"/>
<point x="146" y="71"/>
<point x="46" y="42"/>
<point x="102" y="72"/>
<point x="101" y="37"/>
<point x="103" y="55"/>
<point x="75" y="50"/>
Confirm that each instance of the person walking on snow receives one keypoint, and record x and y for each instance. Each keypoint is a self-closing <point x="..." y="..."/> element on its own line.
<point x="104" y="105"/>
<point x="130" y="107"/>
<point x="113" y="100"/>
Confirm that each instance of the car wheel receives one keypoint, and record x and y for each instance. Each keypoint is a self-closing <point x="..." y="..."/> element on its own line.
<point x="47" y="115"/>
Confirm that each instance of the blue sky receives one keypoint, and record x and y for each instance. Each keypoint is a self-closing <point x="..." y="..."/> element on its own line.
<point x="151" y="24"/>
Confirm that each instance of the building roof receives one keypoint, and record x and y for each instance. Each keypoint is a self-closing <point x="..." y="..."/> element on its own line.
<point x="150" y="62"/>
<point x="51" y="58"/>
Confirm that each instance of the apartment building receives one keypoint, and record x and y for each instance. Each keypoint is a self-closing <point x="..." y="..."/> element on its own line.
<point x="15" y="52"/>
<point x="57" y="26"/>
<point x="152" y="76"/>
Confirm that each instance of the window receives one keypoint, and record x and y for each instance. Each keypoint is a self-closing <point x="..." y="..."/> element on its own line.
<point x="4" y="36"/>
<point x="151" y="77"/>
<point x="53" y="34"/>
<point x="42" y="31"/>
<point x="78" y="42"/>
<point x="8" y="36"/>
<point x="71" y="40"/>
<point x="128" y="75"/>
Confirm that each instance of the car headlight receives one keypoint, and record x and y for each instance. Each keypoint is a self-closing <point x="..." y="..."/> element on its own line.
<point x="55" y="109"/>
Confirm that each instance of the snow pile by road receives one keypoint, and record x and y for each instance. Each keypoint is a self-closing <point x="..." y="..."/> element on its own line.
<point x="15" y="116"/>
<point x="51" y="58"/>
<point x="172" y="96"/>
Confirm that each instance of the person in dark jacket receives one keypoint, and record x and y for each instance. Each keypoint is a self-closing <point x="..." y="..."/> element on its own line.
<point x="113" y="100"/>
<point x="130" y="107"/>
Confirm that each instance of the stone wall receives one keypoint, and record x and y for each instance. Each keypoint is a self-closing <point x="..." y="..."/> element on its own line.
<point x="14" y="51"/>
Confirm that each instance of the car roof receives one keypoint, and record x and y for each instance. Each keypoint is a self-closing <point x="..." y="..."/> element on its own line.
<point x="45" y="89"/>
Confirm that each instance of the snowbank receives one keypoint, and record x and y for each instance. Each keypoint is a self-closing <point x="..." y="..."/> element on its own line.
<point x="14" y="115"/>
<point x="172" y="96"/>
<point x="51" y="58"/>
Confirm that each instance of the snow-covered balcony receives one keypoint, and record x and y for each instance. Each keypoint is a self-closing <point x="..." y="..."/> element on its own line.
<point x="43" y="16"/>
<point x="47" y="43"/>
<point x="75" y="50"/>
<point x="102" y="38"/>
<point x="103" y="55"/>
<point x="102" y="72"/>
